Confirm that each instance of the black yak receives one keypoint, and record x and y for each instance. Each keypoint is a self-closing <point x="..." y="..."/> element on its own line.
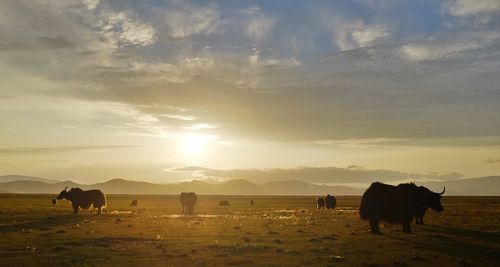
<point x="251" y="202"/>
<point x="187" y="201"/>
<point x="320" y="203"/>
<point x="84" y="199"/>
<point x="223" y="203"/>
<point x="393" y="204"/>
<point x="428" y="199"/>
<point x="330" y="202"/>
<point x="133" y="203"/>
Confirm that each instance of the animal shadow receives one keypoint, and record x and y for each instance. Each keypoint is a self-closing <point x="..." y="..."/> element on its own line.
<point x="43" y="223"/>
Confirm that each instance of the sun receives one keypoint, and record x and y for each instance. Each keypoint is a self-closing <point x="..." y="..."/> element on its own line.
<point x="194" y="144"/>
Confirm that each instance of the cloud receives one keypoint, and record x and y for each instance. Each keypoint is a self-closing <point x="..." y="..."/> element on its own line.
<point x="91" y="4"/>
<point x="350" y="32"/>
<point x="351" y="35"/>
<point x="328" y="175"/>
<point x="184" y="20"/>
<point x="58" y="42"/>
<point x="200" y="126"/>
<point x="259" y="24"/>
<point x="125" y="30"/>
<point x="60" y="149"/>
<point x="493" y="160"/>
<point x="446" y="49"/>
<point x="471" y="8"/>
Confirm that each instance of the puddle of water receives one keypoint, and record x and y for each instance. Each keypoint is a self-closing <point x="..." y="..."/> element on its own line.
<point x="347" y="211"/>
<point x="188" y="216"/>
<point x="284" y="211"/>
<point x="121" y="212"/>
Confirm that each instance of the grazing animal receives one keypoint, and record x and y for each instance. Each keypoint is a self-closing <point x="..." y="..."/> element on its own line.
<point x="320" y="203"/>
<point x="428" y="199"/>
<point x="223" y="203"/>
<point x="84" y="199"/>
<point x="251" y="202"/>
<point x="188" y="200"/>
<point x="330" y="202"/>
<point x="392" y="204"/>
<point x="133" y="203"/>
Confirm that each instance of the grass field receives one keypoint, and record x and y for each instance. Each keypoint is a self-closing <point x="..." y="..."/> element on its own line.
<point x="276" y="231"/>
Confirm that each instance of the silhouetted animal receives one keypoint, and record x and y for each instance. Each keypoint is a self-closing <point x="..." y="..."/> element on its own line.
<point x="84" y="199"/>
<point x="223" y="203"/>
<point x="133" y="203"/>
<point x="392" y="204"/>
<point x="320" y="203"/>
<point x="429" y="199"/>
<point x="251" y="203"/>
<point x="330" y="202"/>
<point x="188" y="200"/>
<point x="54" y="201"/>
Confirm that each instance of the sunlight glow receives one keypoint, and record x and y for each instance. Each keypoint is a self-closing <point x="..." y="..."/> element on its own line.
<point x="194" y="144"/>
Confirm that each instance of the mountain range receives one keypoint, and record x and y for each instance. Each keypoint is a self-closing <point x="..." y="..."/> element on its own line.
<point x="489" y="185"/>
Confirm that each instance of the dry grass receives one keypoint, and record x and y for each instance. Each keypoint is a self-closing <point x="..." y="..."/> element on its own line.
<point x="277" y="231"/>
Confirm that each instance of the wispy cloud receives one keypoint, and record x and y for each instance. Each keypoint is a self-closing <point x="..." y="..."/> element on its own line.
<point x="59" y="149"/>
<point x="493" y="160"/>
<point x="184" y="20"/>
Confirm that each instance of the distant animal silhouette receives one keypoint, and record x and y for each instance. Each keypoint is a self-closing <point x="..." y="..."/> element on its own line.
<point x="133" y="203"/>
<point x="320" y="203"/>
<point x="251" y="202"/>
<point x="84" y="199"/>
<point x="330" y="202"/>
<point x="188" y="200"/>
<point x="223" y="203"/>
<point x="54" y="201"/>
<point x="428" y="199"/>
<point x="394" y="204"/>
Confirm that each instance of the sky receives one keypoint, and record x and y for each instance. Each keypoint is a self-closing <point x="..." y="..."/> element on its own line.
<point x="94" y="90"/>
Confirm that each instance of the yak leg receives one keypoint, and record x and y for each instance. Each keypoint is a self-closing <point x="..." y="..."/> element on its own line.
<point x="422" y="220"/>
<point x="374" y="226"/>
<point x="407" y="226"/>
<point x="75" y="209"/>
<point x="99" y="210"/>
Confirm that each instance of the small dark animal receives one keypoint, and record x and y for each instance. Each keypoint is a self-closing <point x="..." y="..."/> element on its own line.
<point x="331" y="202"/>
<point x="54" y="201"/>
<point x="84" y="199"/>
<point x="251" y="202"/>
<point x="320" y="203"/>
<point x="188" y="200"/>
<point x="133" y="203"/>
<point x="393" y="204"/>
<point x="223" y="203"/>
<point x="429" y="199"/>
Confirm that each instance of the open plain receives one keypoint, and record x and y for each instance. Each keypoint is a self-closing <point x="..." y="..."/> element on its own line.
<point x="276" y="231"/>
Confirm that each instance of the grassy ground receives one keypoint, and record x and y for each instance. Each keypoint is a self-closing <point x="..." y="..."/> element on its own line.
<point x="277" y="231"/>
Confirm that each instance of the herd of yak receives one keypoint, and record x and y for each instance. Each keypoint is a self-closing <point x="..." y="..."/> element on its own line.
<point x="380" y="202"/>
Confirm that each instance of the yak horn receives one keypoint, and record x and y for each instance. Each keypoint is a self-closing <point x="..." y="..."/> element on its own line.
<point x="444" y="189"/>
<point x="65" y="188"/>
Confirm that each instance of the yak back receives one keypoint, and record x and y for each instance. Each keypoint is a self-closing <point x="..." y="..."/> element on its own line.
<point x="389" y="203"/>
<point x="188" y="198"/>
<point x="330" y="201"/>
<point x="85" y="199"/>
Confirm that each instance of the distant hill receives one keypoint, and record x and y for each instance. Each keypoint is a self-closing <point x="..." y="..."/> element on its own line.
<point x="474" y="186"/>
<point x="482" y="186"/>
<point x="12" y="178"/>
<point x="232" y="187"/>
